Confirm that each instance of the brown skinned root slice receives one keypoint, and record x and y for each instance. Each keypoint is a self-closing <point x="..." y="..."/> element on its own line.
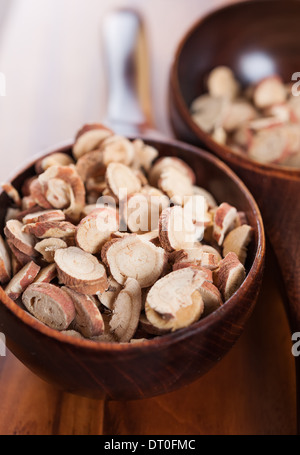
<point x="74" y="188"/>
<point x="80" y="271"/>
<point x="269" y="91"/>
<point x="195" y="256"/>
<point x="230" y="275"/>
<point x="50" y="305"/>
<point x="37" y="193"/>
<point x="73" y="334"/>
<point x="221" y="83"/>
<point x="24" y="242"/>
<point x="12" y="193"/>
<point x="88" y="320"/>
<point x="176" y="185"/>
<point x="142" y="212"/>
<point x="60" y="159"/>
<point x="176" y="230"/>
<point x="211" y="202"/>
<point x="219" y="135"/>
<point x="224" y="218"/>
<point x="237" y="241"/>
<point x="50" y="229"/>
<point x="5" y="262"/>
<point x="90" y="138"/>
<point x="144" y="155"/>
<point x="47" y="274"/>
<point x="121" y="180"/>
<point x="208" y="112"/>
<point x="162" y="164"/>
<point x="95" y="229"/>
<point x="47" y="248"/>
<point x="211" y="297"/>
<point x="238" y="113"/>
<point x="131" y="257"/>
<point x="22" y="280"/>
<point x="117" y="149"/>
<point x="28" y="203"/>
<point x="149" y="328"/>
<point x="126" y="312"/>
<point x="16" y="265"/>
<point x="108" y="297"/>
<point x="46" y="215"/>
<point x="91" y="165"/>
<point x="207" y="273"/>
<point x="22" y="258"/>
<point x="175" y="301"/>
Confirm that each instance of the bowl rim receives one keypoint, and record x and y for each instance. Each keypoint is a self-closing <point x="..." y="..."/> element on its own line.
<point x="225" y="152"/>
<point x="174" y="337"/>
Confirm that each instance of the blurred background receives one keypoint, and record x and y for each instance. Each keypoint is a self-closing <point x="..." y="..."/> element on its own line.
<point x="52" y="59"/>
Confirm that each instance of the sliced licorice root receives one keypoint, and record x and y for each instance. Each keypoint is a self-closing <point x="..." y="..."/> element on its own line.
<point x="121" y="180"/>
<point x="90" y="138"/>
<point x="268" y="91"/>
<point x="5" y="262"/>
<point x="80" y="271"/>
<point x="108" y="297"/>
<point x="95" y="229"/>
<point x="126" y="311"/>
<point x="163" y="164"/>
<point x="117" y="149"/>
<point x="142" y="211"/>
<point x="13" y="193"/>
<point x="47" y="274"/>
<point x="50" y="305"/>
<point x="91" y="165"/>
<point x="144" y="155"/>
<point x="175" y="301"/>
<point x="22" y="280"/>
<point x="176" y="185"/>
<point x="176" y="229"/>
<point x="237" y="242"/>
<point x="47" y="248"/>
<point x="50" y="229"/>
<point x="230" y="275"/>
<point x="45" y="215"/>
<point x="224" y="218"/>
<point x="88" y="320"/>
<point x="24" y="242"/>
<point x="131" y="257"/>
<point x="60" y="159"/>
<point x="221" y="83"/>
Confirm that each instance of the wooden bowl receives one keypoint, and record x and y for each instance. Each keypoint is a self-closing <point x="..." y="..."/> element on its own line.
<point x="255" y="39"/>
<point x="125" y="371"/>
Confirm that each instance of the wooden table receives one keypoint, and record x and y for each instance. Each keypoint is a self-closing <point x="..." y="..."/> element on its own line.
<point x="55" y="83"/>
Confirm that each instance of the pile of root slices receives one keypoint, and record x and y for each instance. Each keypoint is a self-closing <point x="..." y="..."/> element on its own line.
<point x="261" y="121"/>
<point x="100" y="245"/>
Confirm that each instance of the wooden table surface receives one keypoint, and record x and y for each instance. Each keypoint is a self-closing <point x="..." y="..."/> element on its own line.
<point x="50" y="53"/>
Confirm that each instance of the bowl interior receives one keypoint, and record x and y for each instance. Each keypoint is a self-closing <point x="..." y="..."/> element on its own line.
<point x="255" y="39"/>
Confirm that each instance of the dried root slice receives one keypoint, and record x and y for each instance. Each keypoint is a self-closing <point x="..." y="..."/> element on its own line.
<point x="50" y="305"/>
<point x="80" y="271"/>
<point x="219" y="135"/>
<point x="46" y="215"/>
<point x="11" y="192"/>
<point x="21" y="258"/>
<point x="208" y="112"/>
<point x="88" y="320"/>
<point x="73" y="334"/>
<point x="221" y="83"/>
<point x="238" y="113"/>
<point x="127" y="310"/>
<point x="230" y="275"/>
<point x="108" y="297"/>
<point x="242" y="138"/>
<point x="5" y="263"/>
<point x="144" y="155"/>
<point x="74" y="188"/>
<point x="211" y="297"/>
<point x="47" y="274"/>
<point x="240" y="219"/>
<point x="91" y="165"/>
<point x="22" y="280"/>
<point x="164" y="164"/>
<point x="270" y="90"/>
<point x="121" y="180"/>
<point x="176" y="185"/>
<point x="24" y="242"/>
<point x="131" y="257"/>
<point x="50" y="229"/>
<point x="28" y="203"/>
<point x="47" y="248"/>
<point x="142" y="212"/>
<point x="58" y="193"/>
<point x="90" y="138"/>
<point x="224" y="218"/>
<point x="176" y="230"/>
<point x="151" y="236"/>
<point x="175" y="301"/>
<point x="207" y="274"/>
<point x="237" y="242"/>
<point x="37" y="193"/>
<point x="55" y="159"/>
<point x="117" y="149"/>
<point x="95" y="229"/>
<point x="25" y="189"/>
<point x="149" y="328"/>
<point x="211" y="202"/>
<point x="195" y="257"/>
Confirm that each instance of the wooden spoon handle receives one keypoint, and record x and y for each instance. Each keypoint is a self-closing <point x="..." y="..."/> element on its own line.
<point x="126" y="66"/>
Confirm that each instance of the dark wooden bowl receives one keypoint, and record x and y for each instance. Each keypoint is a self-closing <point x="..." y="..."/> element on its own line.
<point x="255" y="39"/>
<point x="122" y="372"/>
